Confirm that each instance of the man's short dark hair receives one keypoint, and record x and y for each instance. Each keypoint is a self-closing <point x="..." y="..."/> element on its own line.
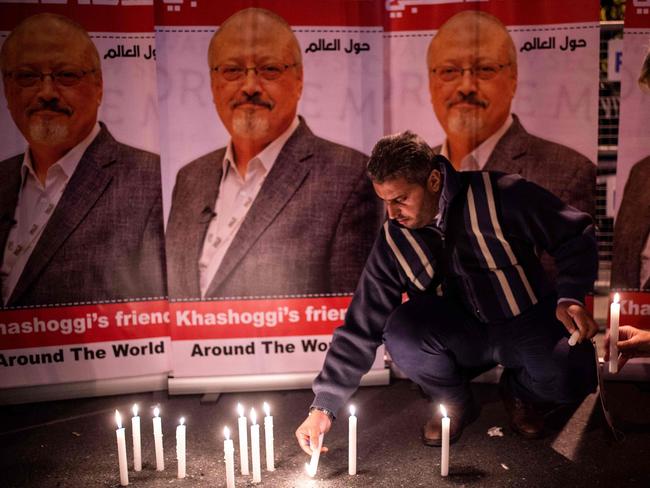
<point x="403" y="155"/>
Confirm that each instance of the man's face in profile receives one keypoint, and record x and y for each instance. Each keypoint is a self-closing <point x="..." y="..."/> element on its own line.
<point x="254" y="106"/>
<point x="53" y="92"/>
<point x="474" y="104"/>
<point x="412" y="205"/>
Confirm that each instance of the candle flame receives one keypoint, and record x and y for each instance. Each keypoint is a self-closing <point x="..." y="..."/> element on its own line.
<point x="267" y="409"/>
<point x="226" y="433"/>
<point x="182" y="420"/>
<point x="156" y="412"/>
<point x="135" y="409"/>
<point x="240" y="409"/>
<point x="118" y="419"/>
<point x="617" y="297"/>
<point x="443" y="410"/>
<point x="253" y="416"/>
<point x="353" y="410"/>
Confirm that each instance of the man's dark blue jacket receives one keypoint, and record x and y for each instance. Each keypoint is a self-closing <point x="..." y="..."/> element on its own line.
<point x="482" y="252"/>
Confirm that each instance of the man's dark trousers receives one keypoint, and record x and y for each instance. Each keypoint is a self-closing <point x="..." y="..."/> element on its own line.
<point x="441" y="347"/>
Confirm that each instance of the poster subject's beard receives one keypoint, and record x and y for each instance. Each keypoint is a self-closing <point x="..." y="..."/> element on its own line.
<point x="467" y="123"/>
<point x="250" y="124"/>
<point x="49" y="132"/>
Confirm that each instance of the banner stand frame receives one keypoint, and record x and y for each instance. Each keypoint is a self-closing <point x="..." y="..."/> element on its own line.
<point x="83" y="389"/>
<point x="260" y="382"/>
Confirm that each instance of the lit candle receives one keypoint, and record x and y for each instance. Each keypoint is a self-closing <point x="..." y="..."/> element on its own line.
<point x="158" y="439"/>
<point x="268" y="438"/>
<point x="312" y="467"/>
<point x="137" y="449"/>
<point x="255" y="448"/>
<point x="229" y="457"/>
<point x="614" y="316"/>
<point x="243" y="439"/>
<point x="444" y="456"/>
<point x="352" y="442"/>
<point x="121" y="450"/>
<point x="180" y="447"/>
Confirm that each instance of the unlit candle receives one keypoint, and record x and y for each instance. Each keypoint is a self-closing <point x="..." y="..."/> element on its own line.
<point x="255" y="448"/>
<point x="352" y="442"/>
<point x="444" y="455"/>
<point x="121" y="450"/>
<point x="158" y="440"/>
<point x="312" y="466"/>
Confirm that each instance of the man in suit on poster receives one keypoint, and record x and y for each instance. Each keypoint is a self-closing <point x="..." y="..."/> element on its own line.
<point x="80" y="213"/>
<point x="279" y="210"/>
<point x="631" y="262"/>
<point x="472" y="64"/>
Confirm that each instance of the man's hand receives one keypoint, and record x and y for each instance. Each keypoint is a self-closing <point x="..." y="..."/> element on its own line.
<point x="307" y="434"/>
<point x="632" y="343"/>
<point x="574" y="315"/>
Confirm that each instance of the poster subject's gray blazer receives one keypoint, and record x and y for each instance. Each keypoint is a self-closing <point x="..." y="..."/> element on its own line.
<point x="105" y="238"/>
<point x="309" y="230"/>
<point x="566" y="173"/>
<point x="632" y="228"/>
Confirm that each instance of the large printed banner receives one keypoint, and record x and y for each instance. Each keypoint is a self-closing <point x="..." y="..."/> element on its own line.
<point x="631" y="260"/>
<point x="125" y="41"/>
<point x="81" y="229"/>
<point x="237" y="337"/>
<point x="341" y="51"/>
<point x="241" y="129"/>
<point x="540" y="68"/>
<point x="84" y="342"/>
<point x="289" y="231"/>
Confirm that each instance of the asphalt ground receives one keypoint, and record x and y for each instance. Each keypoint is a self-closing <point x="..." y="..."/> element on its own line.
<point x="72" y="443"/>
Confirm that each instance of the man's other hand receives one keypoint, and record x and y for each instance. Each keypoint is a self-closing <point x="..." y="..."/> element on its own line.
<point x="574" y="315"/>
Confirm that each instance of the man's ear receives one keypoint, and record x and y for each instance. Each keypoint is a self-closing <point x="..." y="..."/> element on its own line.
<point x="434" y="181"/>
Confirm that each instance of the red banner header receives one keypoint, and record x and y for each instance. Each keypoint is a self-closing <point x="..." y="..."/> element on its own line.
<point x="93" y="15"/>
<point x="257" y="318"/>
<point x="393" y="15"/>
<point x="357" y="13"/>
<point x="40" y="327"/>
<point x="637" y="14"/>
<point x="405" y="15"/>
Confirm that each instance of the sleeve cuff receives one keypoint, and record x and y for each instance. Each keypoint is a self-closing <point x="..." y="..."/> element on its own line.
<point x="326" y="411"/>
<point x="570" y="300"/>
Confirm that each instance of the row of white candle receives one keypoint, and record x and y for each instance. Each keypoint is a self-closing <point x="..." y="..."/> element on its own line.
<point x="312" y="466"/>
<point x="158" y="444"/>
<point x="229" y="450"/>
<point x="255" y="444"/>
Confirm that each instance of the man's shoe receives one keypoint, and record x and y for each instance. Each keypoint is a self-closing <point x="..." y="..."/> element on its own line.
<point x="525" y="419"/>
<point x="460" y="418"/>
